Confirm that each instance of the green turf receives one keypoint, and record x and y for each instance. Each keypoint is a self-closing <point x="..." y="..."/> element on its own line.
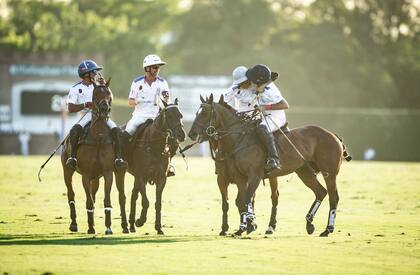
<point x="377" y="225"/>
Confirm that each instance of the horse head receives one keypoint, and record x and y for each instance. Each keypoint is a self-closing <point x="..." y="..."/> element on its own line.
<point x="209" y="117"/>
<point x="170" y="120"/>
<point x="102" y="99"/>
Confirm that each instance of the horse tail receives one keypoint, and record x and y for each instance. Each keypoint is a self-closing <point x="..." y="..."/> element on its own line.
<point x="346" y="155"/>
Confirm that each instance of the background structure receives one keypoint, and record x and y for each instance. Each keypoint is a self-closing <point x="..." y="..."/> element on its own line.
<point x="350" y="66"/>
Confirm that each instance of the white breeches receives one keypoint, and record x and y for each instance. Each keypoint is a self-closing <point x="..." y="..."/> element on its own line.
<point x="85" y="120"/>
<point x="134" y="122"/>
<point x="274" y="121"/>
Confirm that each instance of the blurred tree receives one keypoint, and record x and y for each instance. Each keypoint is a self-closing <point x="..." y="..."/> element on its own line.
<point x="388" y="32"/>
<point x="214" y="36"/>
<point x="330" y="53"/>
<point x="123" y="31"/>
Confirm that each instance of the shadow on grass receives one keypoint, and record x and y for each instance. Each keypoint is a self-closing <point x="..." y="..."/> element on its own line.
<point x="56" y="239"/>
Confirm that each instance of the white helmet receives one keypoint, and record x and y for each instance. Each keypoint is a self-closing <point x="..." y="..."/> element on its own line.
<point x="151" y="60"/>
<point x="239" y="75"/>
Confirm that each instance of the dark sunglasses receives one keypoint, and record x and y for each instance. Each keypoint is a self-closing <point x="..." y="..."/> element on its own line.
<point x="155" y="67"/>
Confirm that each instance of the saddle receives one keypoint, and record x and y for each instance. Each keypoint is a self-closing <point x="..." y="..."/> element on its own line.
<point x="285" y="129"/>
<point x="140" y="130"/>
<point x="86" y="139"/>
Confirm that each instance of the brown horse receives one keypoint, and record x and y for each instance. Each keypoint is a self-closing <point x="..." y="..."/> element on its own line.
<point x="95" y="157"/>
<point x="321" y="148"/>
<point x="224" y="179"/>
<point x="153" y="147"/>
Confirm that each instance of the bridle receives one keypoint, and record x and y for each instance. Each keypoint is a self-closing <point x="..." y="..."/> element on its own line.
<point x="165" y="131"/>
<point x="215" y="135"/>
<point x="97" y="112"/>
<point x="211" y="131"/>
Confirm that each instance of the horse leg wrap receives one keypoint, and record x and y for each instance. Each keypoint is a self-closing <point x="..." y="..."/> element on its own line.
<point x="242" y="226"/>
<point x="249" y="215"/>
<point x="108" y="209"/>
<point x="312" y="210"/>
<point x="331" y="220"/>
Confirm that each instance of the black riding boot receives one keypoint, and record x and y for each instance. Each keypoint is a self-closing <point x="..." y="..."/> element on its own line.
<point x="116" y="133"/>
<point x="74" y="135"/>
<point x="267" y="139"/>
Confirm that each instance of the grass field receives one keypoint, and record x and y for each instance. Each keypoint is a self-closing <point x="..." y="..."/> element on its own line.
<point x="377" y="225"/>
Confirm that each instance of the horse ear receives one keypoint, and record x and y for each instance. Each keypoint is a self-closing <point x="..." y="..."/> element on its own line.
<point x="176" y="101"/>
<point x="202" y="99"/>
<point x="108" y="82"/>
<point x="211" y="98"/>
<point x="164" y="103"/>
<point x="221" y="99"/>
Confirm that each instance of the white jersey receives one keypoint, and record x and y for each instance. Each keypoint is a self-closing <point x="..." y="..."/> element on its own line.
<point x="246" y="99"/>
<point x="80" y="94"/>
<point x="148" y="97"/>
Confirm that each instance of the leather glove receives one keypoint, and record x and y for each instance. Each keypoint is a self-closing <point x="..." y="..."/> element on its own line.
<point x="88" y="105"/>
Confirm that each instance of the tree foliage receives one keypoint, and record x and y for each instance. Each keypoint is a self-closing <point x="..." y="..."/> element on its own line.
<point x="330" y="53"/>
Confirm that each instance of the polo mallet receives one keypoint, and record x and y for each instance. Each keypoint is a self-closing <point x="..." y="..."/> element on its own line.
<point x="307" y="164"/>
<point x="56" y="149"/>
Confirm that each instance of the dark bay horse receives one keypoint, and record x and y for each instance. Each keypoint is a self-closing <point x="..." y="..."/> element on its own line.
<point x="224" y="179"/>
<point x="96" y="156"/>
<point x="153" y="147"/>
<point x="321" y="148"/>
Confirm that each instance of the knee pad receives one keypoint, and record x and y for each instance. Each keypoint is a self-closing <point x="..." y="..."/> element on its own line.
<point x="76" y="129"/>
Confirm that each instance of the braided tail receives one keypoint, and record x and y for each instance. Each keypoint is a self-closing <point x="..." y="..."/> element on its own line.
<point x="346" y="154"/>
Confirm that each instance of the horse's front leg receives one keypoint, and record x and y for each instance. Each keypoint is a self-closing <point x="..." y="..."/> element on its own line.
<point x="160" y="185"/>
<point x="119" y="178"/>
<point x="89" y="203"/>
<point x="144" y="203"/>
<point x="134" y="196"/>
<point x="274" y="202"/>
<point x="94" y="185"/>
<point x="107" y="201"/>
<point x="223" y="187"/>
<point x="68" y="174"/>
<point x="240" y="203"/>
<point x="253" y="183"/>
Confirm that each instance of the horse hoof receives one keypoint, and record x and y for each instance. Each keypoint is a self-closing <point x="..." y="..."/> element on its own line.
<point x="269" y="231"/>
<point x="91" y="231"/>
<point x="125" y="230"/>
<point x="73" y="227"/>
<point x="251" y="227"/>
<point x="108" y="231"/>
<point x="140" y="222"/>
<point x="160" y="232"/>
<point x="325" y="233"/>
<point x="222" y="233"/>
<point x="310" y="228"/>
<point x="238" y="233"/>
<point x="132" y="229"/>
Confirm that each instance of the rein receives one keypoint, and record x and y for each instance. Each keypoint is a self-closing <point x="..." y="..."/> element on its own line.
<point x="165" y="132"/>
<point x="216" y="135"/>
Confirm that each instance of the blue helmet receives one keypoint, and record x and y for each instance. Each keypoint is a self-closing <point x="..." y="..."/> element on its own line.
<point x="87" y="66"/>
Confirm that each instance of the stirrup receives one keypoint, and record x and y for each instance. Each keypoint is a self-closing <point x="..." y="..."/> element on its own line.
<point x="120" y="163"/>
<point x="272" y="164"/>
<point x="71" y="163"/>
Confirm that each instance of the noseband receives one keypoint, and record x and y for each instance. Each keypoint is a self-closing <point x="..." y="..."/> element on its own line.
<point x="210" y="130"/>
<point x="97" y="112"/>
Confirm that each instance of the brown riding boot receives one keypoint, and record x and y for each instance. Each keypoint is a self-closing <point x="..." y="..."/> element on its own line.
<point x="116" y="133"/>
<point x="267" y="140"/>
<point x="74" y="135"/>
